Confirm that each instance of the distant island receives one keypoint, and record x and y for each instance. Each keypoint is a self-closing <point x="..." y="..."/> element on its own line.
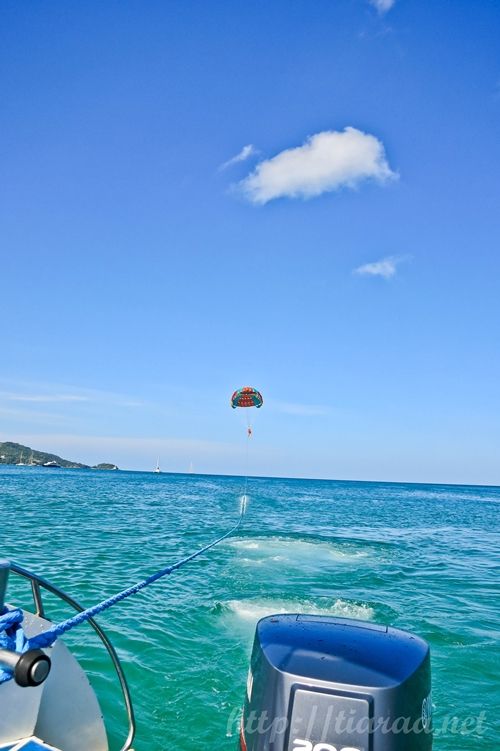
<point x="24" y="456"/>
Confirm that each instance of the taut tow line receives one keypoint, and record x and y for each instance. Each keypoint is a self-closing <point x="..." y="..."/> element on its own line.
<point x="13" y="637"/>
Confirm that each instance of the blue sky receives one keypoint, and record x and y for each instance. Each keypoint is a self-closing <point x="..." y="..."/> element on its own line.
<point x="348" y="267"/>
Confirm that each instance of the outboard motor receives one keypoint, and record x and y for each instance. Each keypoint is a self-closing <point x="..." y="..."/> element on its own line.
<point x="333" y="684"/>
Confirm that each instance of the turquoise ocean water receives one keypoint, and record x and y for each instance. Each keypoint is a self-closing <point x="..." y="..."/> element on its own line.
<point x="421" y="557"/>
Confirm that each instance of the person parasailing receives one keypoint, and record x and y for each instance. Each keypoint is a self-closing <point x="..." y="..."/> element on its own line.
<point x="244" y="398"/>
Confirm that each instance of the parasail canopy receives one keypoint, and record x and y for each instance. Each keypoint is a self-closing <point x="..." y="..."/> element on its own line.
<point x="246" y="397"/>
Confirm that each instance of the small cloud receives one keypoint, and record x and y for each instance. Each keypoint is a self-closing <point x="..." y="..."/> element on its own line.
<point x="245" y="153"/>
<point x="326" y="162"/>
<point x="35" y="395"/>
<point x="385" y="268"/>
<point x="382" y="5"/>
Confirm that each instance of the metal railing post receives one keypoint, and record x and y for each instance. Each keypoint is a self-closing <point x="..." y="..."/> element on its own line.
<point x="4" y="578"/>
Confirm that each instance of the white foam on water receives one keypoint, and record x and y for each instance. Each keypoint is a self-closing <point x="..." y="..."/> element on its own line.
<point x="245" y="544"/>
<point x="253" y="610"/>
<point x="295" y="552"/>
<point x="243" y="504"/>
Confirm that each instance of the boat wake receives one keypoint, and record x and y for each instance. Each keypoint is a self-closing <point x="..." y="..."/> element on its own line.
<point x="295" y="552"/>
<point x="253" y="610"/>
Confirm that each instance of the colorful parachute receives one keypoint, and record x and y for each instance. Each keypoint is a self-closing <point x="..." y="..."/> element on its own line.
<point x="246" y="397"/>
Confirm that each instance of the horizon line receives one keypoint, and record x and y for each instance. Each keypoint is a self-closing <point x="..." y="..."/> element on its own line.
<point x="274" y="477"/>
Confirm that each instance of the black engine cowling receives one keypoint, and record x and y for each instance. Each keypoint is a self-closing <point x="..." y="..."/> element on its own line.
<point x="333" y="684"/>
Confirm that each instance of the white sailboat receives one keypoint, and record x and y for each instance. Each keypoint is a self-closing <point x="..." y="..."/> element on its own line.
<point x="20" y="463"/>
<point x="157" y="469"/>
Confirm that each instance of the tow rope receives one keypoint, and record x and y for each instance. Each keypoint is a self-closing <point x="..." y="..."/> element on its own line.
<point x="12" y="635"/>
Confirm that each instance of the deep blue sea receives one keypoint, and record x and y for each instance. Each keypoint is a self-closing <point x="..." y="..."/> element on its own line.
<point x="422" y="557"/>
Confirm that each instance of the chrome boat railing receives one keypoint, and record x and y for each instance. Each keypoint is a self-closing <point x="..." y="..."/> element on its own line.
<point x="37" y="584"/>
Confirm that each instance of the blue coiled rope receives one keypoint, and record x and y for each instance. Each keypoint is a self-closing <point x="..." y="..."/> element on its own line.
<point x="12" y="636"/>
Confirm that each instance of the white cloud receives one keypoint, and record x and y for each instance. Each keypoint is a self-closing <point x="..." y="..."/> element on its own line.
<point x="56" y="394"/>
<point x="385" y="268"/>
<point x="382" y="5"/>
<point x="327" y="161"/>
<point x="245" y="153"/>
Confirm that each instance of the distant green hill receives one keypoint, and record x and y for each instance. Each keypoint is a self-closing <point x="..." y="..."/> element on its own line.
<point x="15" y="453"/>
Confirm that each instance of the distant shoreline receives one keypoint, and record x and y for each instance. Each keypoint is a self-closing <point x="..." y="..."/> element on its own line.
<point x="15" y="454"/>
<point x="288" y="479"/>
